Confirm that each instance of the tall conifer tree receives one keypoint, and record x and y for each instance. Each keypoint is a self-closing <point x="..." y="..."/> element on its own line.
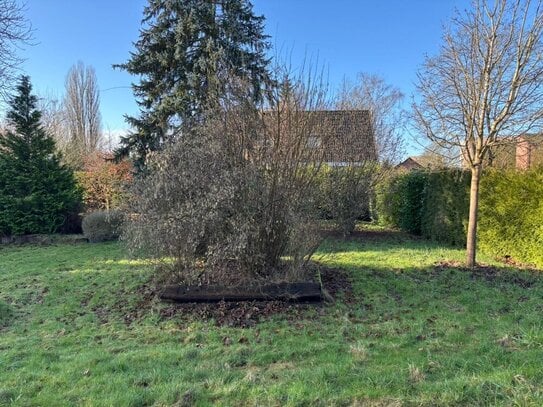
<point x="188" y="52"/>
<point x="37" y="193"/>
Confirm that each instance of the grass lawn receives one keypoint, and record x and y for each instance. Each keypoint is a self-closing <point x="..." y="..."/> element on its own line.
<point x="417" y="334"/>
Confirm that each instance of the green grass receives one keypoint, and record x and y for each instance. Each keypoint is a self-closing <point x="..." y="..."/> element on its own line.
<point x="416" y="335"/>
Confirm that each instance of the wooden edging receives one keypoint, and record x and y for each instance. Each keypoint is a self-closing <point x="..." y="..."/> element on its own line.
<point x="295" y="292"/>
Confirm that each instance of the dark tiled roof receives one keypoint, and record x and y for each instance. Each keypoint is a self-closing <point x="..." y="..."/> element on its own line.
<point x="409" y="164"/>
<point x="348" y="135"/>
<point x="340" y="135"/>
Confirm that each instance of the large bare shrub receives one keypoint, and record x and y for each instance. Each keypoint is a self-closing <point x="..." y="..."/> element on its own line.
<point x="233" y="200"/>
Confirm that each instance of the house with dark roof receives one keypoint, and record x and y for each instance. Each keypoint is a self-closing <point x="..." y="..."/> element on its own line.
<point x="334" y="137"/>
<point x="346" y="136"/>
<point x="409" y="164"/>
<point x="422" y="162"/>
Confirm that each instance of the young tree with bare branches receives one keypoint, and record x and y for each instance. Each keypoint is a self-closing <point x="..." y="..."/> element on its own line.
<point x="485" y="86"/>
<point x="14" y="31"/>
<point x="53" y="118"/>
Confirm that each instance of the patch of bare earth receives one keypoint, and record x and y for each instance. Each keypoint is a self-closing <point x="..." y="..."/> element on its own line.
<point x="336" y="282"/>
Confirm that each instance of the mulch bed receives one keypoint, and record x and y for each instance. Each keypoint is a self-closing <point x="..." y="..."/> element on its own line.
<point x="336" y="282"/>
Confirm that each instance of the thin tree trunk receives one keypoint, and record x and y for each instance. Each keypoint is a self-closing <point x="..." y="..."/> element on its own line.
<point x="471" y="245"/>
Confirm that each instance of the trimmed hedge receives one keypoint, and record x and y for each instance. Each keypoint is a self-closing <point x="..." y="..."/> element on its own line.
<point x="435" y="205"/>
<point x="445" y="212"/>
<point x="400" y="201"/>
<point x="429" y="204"/>
<point x="511" y="215"/>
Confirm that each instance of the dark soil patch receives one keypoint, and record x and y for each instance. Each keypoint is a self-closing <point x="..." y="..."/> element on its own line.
<point x="525" y="278"/>
<point x="515" y="263"/>
<point x="336" y="282"/>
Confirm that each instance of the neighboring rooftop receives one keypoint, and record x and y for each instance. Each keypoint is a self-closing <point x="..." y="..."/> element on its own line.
<point x="419" y="162"/>
<point x="341" y="136"/>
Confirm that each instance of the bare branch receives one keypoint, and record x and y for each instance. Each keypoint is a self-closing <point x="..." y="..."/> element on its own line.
<point x="15" y="31"/>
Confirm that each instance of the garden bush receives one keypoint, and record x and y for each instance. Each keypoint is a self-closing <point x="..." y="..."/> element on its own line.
<point x="221" y="218"/>
<point x="344" y="196"/>
<point x="101" y="226"/>
<point x="103" y="181"/>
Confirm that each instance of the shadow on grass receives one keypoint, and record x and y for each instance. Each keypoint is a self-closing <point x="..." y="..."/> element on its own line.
<point x="381" y="240"/>
<point x="383" y="254"/>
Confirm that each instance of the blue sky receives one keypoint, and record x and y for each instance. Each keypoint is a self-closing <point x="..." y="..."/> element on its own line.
<point x="386" y="37"/>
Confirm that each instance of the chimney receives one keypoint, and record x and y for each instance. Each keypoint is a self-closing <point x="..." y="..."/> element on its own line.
<point x="523" y="154"/>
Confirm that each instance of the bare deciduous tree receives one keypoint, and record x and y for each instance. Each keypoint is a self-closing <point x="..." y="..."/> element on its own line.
<point x="485" y="87"/>
<point x="82" y="110"/>
<point x="53" y="118"/>
<point x="15" y="30"/>
<point x="383" y="101"/>
<point x="351" y="191"/>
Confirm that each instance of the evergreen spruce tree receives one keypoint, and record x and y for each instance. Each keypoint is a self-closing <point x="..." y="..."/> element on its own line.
<point x="188" y="53"/>
<point x="37" y="193"/>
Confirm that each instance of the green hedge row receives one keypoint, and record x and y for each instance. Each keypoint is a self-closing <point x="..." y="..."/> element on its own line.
<point x="400" y="201"/>
<point x="511" y="215"/>
<point x="435" y="205"/>
<point x="430" y="204"/>
<point x="446" y="206"/>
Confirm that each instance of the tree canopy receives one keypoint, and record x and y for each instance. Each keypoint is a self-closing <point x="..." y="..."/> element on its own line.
<point x="187" y="55"/>
<point x="15" y="30"/>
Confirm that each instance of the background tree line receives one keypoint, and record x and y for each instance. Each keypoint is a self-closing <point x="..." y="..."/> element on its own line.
<point x="43" y="141"/>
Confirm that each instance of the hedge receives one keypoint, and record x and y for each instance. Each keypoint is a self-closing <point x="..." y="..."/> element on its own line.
<point x="511" y="215"/>
<point x="400" y="201"/>
<point x="446" y="206"/>
<point x="435" y="205"/>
